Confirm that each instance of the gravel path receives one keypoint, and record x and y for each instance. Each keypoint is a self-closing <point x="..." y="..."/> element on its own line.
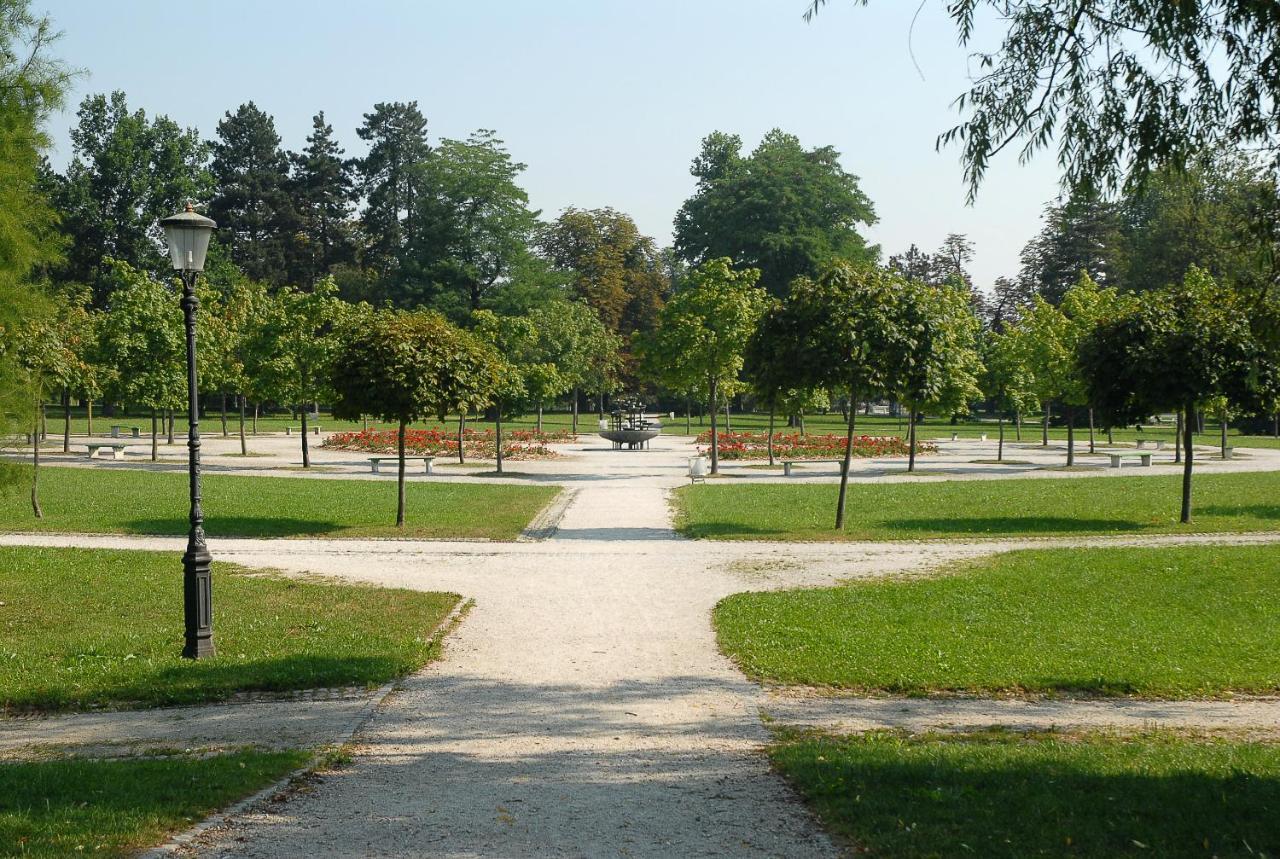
<point x="582" y="708"/>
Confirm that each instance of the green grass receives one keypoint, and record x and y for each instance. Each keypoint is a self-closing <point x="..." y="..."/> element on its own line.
<point x="1167" y="622"/>
<point x="1009" y="795"/>
<point x="985" y="508"/>
<point x="129" y="501"/>
<point x="81" y="628"/>
<point x="115" y="807"/>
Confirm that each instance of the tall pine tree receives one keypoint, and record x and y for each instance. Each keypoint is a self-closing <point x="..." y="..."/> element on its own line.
<point x="324" y="193"/>
<point x="252" y="205"/>
<point x="392" y="176"/>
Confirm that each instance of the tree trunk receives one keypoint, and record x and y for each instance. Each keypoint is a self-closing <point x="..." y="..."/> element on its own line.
<point x="154" y="431"/>
<point x="844" y="473"/>
<point x="1044" y="441"/>
<point x="44" y="420"/>
<point x="575" y="410"/>
<point x="1017" y="425"/>
<point x="1223" y="423"/>
<point x="1188" y="437"/>
<point x="89" y="415"/>
<point x="306" y="447"/>
<point x="539" y="417"/>
<point x="1092" y="445"/>
<point x="256" y="406"/>
<point x="1275" y="425"/>
<point x="67" y="421"/>
<point x="1111" y="439"/>
<point x="35" y="471"/>
<point x="1177" y="440"/>
<point x="1071" y="436"/>
<point x="715" y="440"/>
<point x="498" y="438"/>
<point x="400" y="476"/>
<point x="688" y="416"/>
<point x="1000" y="445"/>
<point x="462" y="425"/>
<point x="728" y="427"/>
<point x="224" y="414"/>
<point x="600" y="406"/>
<point x="169" y="426"/>
<point x="771" y="408"/>
<point x="244" y="445"/>
<point x="911" y="439"/>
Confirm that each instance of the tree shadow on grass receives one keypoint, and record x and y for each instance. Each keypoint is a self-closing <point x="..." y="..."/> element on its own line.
<point x="1253" y="511"/>
<point x="239" y="526"/>
<point x="1015" y="525"/>
<point x="996" y="799"/>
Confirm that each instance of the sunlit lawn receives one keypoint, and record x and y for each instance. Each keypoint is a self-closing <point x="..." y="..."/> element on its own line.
<point x="81" y="628"/>
<point x="1009" y="795"/>
<point x="128" y="501"/>
<point x="1155" y="622"/>
<point x="979" y="508"/>
<point x="115" y="807"/>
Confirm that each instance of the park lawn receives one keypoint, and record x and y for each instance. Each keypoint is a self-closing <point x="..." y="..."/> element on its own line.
<point x="1176" y="622"/>
<point x="90" y="627"/>
<point x="77" y="807"/>
<point x="979" y="508"/>
<point x="134" y="501"/>
<point x="1002" y="794"/>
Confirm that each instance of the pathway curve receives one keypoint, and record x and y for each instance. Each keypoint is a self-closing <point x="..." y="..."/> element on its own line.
<point x="582" y="708"/>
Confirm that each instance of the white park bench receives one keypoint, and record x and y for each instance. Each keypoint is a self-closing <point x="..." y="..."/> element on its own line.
<point x="117" y="448"/>
<point x="1117" y="459"/>
<point x="1158" y="443"/>
<point x="375" y="461"/>
<point x="787" y="463"/>
<point x="315" y="429"/>
<point x="116" y="429"/>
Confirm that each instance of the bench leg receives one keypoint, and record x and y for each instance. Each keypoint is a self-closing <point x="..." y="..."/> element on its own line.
<point x="786" y="469"/>
<point x="117" y="453"/>
<point x="374" y="466"/>
<point x="430" y="466"/>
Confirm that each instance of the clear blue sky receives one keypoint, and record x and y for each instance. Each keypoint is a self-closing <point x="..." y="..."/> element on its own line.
<point x="604" y="100"/>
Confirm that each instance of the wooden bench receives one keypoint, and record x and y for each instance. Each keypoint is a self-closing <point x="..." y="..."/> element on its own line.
<point x="787" y="463"/>
<point x="315" y="429"/>
<point x="375" y="461"/>
<point x="116" y="428"/>
<point x="1158" y="442"/>
<point x="1117" y="459"/>
<point x="117" y="448"/>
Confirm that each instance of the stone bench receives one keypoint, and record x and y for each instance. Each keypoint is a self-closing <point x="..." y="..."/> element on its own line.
<point x="117" y="448"/>
<point x="117" y="428"/>
<point x="787" y="463"/>
<point x="375" y="461"/>
<point x="1159" y="443"/>
<point x="315" y="429"/>
<point x="1117" y="459"/>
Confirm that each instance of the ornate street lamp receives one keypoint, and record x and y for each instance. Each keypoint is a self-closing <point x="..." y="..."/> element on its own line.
<point x="188" y="235"/>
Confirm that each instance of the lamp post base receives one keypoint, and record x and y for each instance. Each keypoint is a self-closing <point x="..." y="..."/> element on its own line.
<point x="197" y="600"/>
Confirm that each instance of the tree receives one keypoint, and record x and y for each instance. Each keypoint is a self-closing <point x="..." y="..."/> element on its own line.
<point x="706" y="328"/>
<point x="252" y="202"/>
<point x="1179" y="347"/>
<point x="404" y="366"/>
<point x="1122" y="86"/>
<point x="298" y="341"/>
<point x="523" y="381"/>
<point x="476" y="219"/>
<point x="126" y="172"/>
<point x="142" y="344"/>
<point x="1082" y="233"/>
<point x="1006" y="380"/>
<point x="782" y="209"/>
<point x="933" y="360"/>
<point x="574" y="340"/>
<point x="391" y="175"/>
<point x="324" y="195"/>
<point x="614" y="268"/>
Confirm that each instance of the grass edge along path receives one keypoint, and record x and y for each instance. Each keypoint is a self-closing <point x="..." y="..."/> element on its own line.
<point x="965" y="509"/>
<point x="95" y="627"/>
<point x="134" y="501"/>
<point x="1005" y="794"/>
<point x="1174" y="622"/>
<point x="114" y="807"/>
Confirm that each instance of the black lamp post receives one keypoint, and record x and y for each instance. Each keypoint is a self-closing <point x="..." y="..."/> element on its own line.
<point x="188" y="235"/>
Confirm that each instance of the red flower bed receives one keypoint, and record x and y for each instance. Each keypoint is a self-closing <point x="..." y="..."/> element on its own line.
<point x="481" y="444"/>
<point x="755" y="445"/>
